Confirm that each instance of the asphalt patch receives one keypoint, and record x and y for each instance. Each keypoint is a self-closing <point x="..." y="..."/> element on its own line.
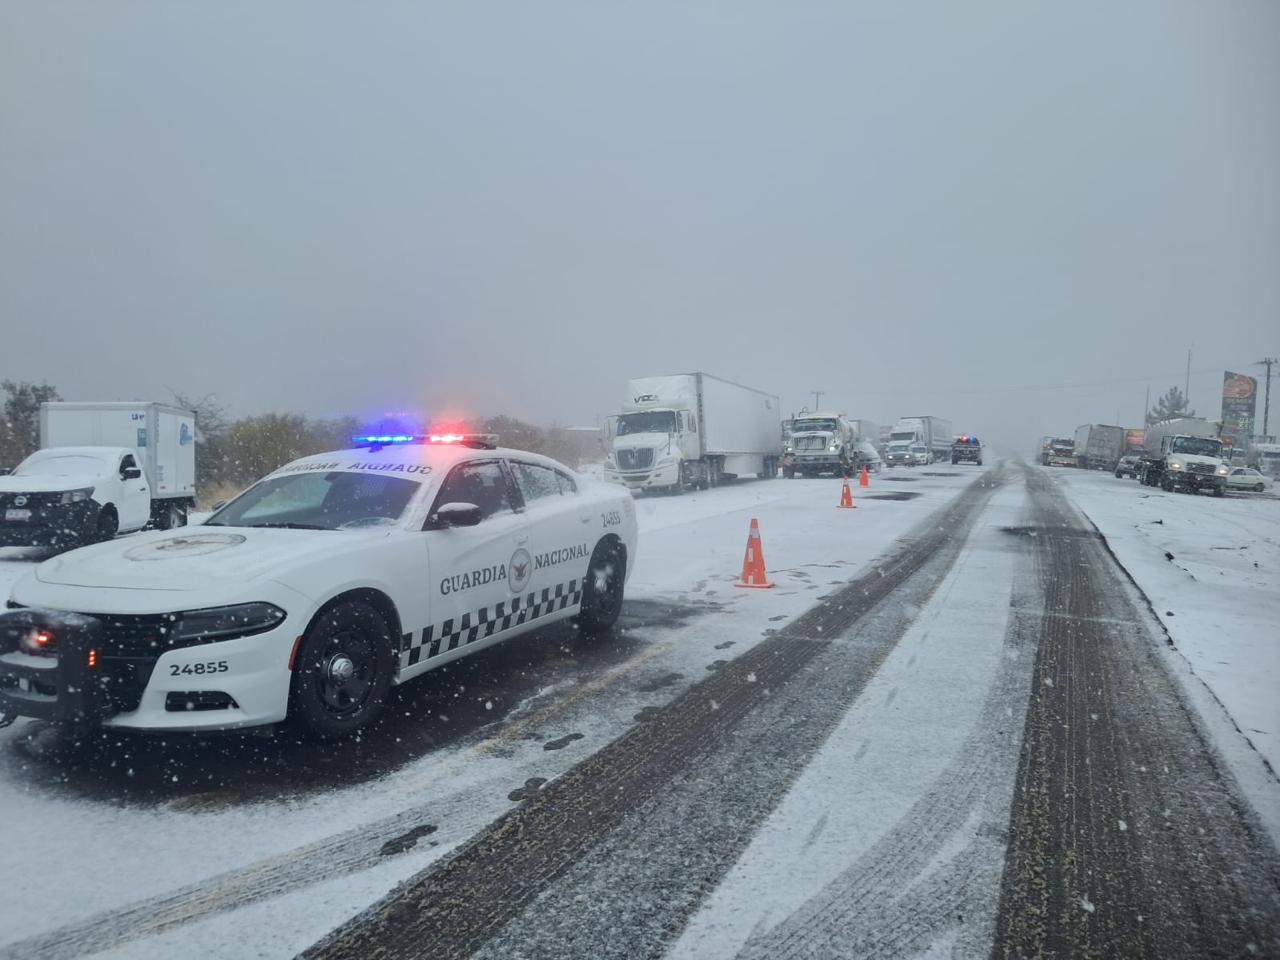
<point x="561" y="742"/>
<point x="898" y="479"/>
<point x="531" y="786"/>
<point x="407" y="841"/>
<point x="904" y="495"/>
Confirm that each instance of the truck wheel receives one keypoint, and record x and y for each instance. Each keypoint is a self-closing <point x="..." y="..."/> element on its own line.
<point x="603" y="587"/>
<point x="342" y="673"/>
<point x="1219" y="491"/>
<point x="1166" y="485"/>
<point x="172" y="515"/>
<point x="108" y="525"/>
<point x="789" y="473"/>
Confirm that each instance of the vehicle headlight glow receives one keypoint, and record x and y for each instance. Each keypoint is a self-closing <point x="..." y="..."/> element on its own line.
<point x="1223" y="471"/>
<point x="835" y="445"/>
<point x="1175" y="465"/>
<point x="227" y="623"/>
<point x="76" y="496"/>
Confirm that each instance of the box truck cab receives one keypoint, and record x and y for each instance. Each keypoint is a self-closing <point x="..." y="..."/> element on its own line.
<point x="691" y="431"/>
<point x="918" y="441"/>
<point x="819" y="443"/>
<point x="1185" y="453"/>
<point x="103" y="468"/>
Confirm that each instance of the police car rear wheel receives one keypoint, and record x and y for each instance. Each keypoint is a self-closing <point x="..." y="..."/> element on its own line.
<point x="602" y="591"/>
<point x="343" y="671"/>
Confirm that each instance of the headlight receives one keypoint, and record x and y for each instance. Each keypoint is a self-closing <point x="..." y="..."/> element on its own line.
<point x="226" y="623"/>
<point x="1223" y="471"/>
<point x="835" y="445"/>
<point x="76" y="496"/>
<point x="1174" y="465"/>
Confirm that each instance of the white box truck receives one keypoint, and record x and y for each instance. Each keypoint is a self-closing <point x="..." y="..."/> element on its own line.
<point x="1184" y="453"/>
<point x="102" y="469"/>
<point x="919" y="441"/>
<point x="1099" y="446"/>
<point x="691" y="430"/>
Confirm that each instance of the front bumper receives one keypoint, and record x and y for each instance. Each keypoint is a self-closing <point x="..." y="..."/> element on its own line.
<point x="120" y="671"/>
<point x="1187" y="478"/>
<point x="661" y="475"/>
<point x="820" y="461"/>
<point x="50" y="525"/>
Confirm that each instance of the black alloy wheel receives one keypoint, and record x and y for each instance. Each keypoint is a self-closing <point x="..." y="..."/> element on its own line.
<point x="602" y="589"/>
<point x="343" y="670"/>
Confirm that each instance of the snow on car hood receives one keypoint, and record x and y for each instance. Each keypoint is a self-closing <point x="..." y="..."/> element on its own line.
<point x="56" y="484"/>
<point x="193" y="557"/>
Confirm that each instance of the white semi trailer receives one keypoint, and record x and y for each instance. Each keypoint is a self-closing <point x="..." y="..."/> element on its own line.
<point x="690" y="431"/>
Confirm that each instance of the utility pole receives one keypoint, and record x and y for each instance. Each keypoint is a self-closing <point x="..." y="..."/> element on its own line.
<point x="1146" y="409"/>
<point x="1186" y="392"/>
<point x="1266" y="406"/>
<point x="817" y="399"/>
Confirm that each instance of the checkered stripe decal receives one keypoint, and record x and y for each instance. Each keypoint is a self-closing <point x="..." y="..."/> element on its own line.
<point x="435" y="639"/>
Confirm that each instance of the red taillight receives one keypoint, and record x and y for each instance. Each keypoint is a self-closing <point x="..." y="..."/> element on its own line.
<point x="42" y="638"/>
<point x="92" y="659"/>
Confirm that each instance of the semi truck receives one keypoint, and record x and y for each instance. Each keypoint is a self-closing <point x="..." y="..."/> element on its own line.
<point x="818" y="443"/>
<point x="690" y="431"/>
<point x="102" y="469"/>
<point x="1184" y="453"/>
<point x="1099" y="446"/>
<point x="918" y="441"/>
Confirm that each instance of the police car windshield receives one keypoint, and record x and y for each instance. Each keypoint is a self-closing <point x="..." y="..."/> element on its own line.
<point x="335" y="500"/>
<point x="655" y="421"/>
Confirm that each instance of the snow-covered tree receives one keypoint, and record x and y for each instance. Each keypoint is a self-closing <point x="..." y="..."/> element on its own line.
<point x="1172" y="404"/>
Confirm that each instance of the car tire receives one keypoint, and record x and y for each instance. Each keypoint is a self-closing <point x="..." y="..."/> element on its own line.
<point x="172" y="516"/>
<point x="107" y="525"/>
<point x="1258" y="488"/>
<point x="602" y="589"/>
<point x="342" y="672"/>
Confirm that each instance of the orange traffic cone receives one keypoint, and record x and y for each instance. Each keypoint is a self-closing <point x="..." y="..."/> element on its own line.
<point x="846" y="496"/>
<point x="864" y="479"/>
<point x="753" y="574"/>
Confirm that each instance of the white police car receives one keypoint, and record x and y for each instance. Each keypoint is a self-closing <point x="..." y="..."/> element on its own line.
<point x="311" y="593"/>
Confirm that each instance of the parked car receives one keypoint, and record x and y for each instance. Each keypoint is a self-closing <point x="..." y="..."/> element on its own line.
<point x="1247" y="478"/>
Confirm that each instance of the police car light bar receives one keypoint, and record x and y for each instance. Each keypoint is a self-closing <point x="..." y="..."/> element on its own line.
<point x="384" y="439"/>
<point x="481" y="441"/>
<point x="376" y="441"/>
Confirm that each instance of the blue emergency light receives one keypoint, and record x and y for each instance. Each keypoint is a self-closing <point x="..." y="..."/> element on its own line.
<point x="384" y="439"/>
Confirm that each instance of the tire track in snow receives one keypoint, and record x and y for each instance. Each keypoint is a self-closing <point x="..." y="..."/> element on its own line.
<point x="1128" y="835"/>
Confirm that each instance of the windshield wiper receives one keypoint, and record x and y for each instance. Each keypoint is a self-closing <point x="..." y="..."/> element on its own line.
<point x="290" y="526"/>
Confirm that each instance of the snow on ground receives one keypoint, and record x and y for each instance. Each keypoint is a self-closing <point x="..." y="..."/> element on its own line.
<point x="901" y="742"/>
<point x="99" y="855"/>
<point x="1211" y="569"/>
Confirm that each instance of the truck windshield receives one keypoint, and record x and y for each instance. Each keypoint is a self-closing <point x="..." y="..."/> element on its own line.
<point x="814" y="426"/>
<point x="42" y="466"/>
<point x="312" y="501"/>
<point x="903" y="436"/>
<point x="653" y="421"/>
<point x="1197" y="446"/>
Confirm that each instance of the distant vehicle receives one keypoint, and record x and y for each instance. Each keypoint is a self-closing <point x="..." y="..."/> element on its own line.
<point x="919" y="441"/>
<point x="1062" y="452"/>
<point x="1185" y="453"/>
<point x="307" y="597"/>
<point x="869" y="457"/>
<point x="692" y="430"/>
<point x="966" y="449"/>
<point x="1099" y="446"/>
<point x="1247" y="478"/>
<point x="1267" y="458"/>
<point x="819" y="443"/>
<point x="1130" y="464"/>
<point x="162" y="439"/>
<point x="66" y="497"/>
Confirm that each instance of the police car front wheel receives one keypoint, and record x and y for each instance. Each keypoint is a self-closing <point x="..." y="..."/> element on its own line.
<point x="342" y="673"/>
<point x="602" y="591"/>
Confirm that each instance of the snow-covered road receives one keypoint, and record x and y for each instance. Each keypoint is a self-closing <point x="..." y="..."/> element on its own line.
<point x="865" y="760"/>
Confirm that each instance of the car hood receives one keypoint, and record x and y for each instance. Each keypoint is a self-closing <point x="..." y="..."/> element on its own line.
<point x="76" y="481"/>
<point x="194" y="558"/>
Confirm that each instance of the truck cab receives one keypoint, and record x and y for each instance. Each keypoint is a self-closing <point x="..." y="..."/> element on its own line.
<point x="650" y="448"/>
<point x="1188" y="463"/>
<point x="819" y="443"/>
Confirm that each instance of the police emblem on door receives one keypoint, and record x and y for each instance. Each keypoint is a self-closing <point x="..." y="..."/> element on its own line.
<point x="519" y="570"/>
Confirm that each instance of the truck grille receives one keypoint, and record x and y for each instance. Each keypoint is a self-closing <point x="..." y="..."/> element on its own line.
<point x="636" y="459"/>
<point x="1201" y="468"/>
<point x="810" y="443"/>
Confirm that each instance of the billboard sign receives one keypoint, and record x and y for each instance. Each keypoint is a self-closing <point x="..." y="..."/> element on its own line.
<point x="1239" y="406"/>
<point x="1134" y="438"/>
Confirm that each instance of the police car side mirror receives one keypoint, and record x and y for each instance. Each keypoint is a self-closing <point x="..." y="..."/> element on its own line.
<point x="456" y="515"/>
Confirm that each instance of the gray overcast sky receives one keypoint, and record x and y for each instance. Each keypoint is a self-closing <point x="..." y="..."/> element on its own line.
<point x="965" y="209"/>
